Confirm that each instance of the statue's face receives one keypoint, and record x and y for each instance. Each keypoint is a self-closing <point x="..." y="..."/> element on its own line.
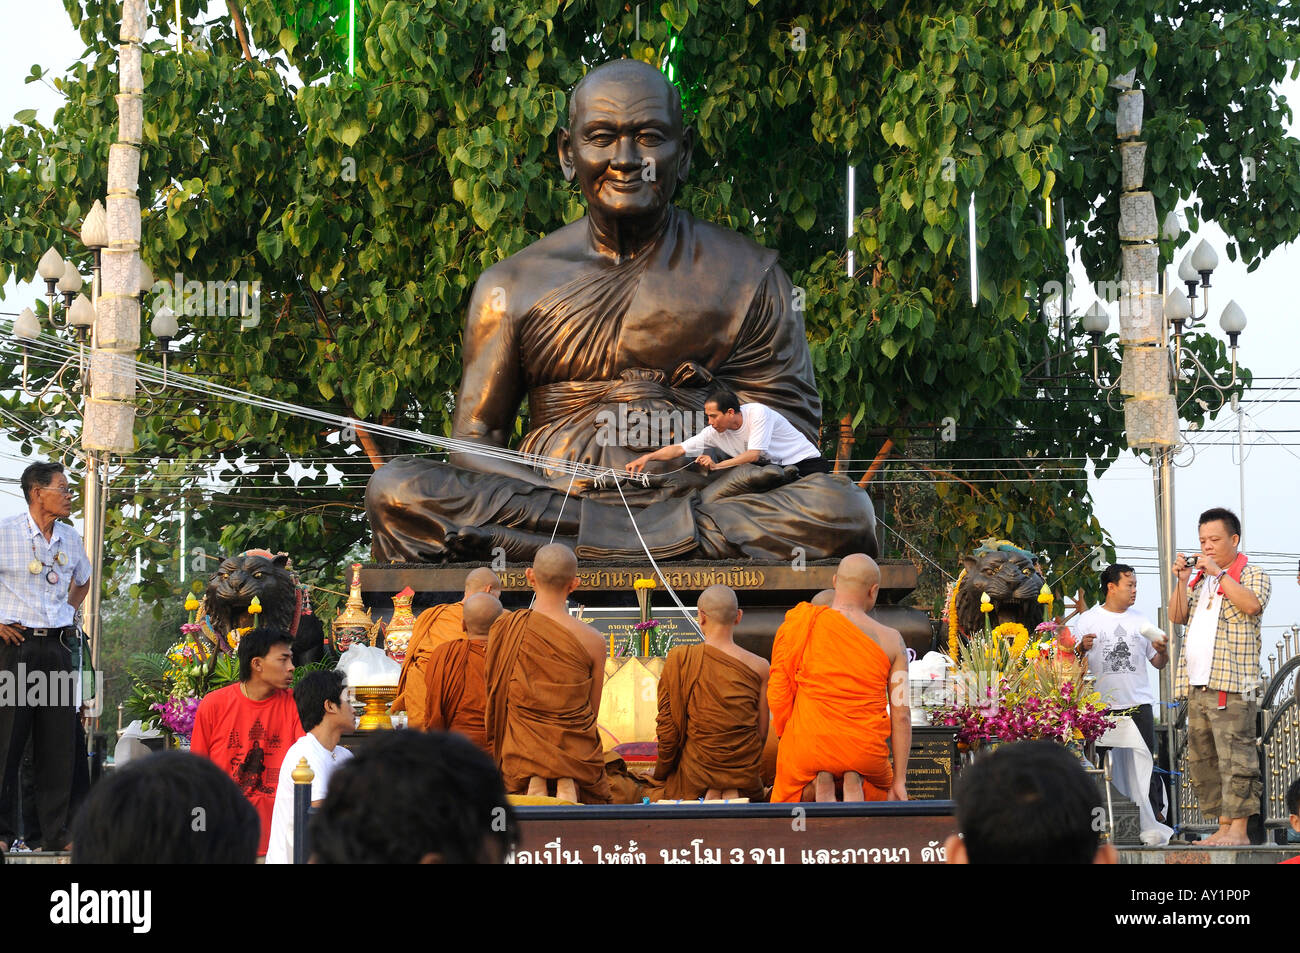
<point x="625" y="146"/>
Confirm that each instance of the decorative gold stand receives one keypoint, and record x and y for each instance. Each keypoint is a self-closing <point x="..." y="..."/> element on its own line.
<point x="376" y="698"/>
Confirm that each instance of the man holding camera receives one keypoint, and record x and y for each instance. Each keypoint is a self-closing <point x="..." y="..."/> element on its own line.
<point x="1218" y="672"/>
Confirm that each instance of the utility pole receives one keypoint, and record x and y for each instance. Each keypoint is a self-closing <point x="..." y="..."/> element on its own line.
<point x="109" y="411"/>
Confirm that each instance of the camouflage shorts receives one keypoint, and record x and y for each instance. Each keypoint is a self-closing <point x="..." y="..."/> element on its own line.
<point x="1222" y="760"/>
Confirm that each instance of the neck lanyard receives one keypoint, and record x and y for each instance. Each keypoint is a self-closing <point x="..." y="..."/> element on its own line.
<point x="37" y="564"/>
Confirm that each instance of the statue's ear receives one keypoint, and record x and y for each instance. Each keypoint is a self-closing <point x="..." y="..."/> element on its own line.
<point x="564" y="146"/>
<point x="280" y="559"/>
<point x="971" y="564"/>
<point x="688" y="150"/>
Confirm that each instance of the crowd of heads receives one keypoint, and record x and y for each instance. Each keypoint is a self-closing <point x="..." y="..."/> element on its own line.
<point x="407" y="797"/>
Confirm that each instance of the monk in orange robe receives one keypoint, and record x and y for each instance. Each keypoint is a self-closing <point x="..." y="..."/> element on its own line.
<point x="712" y="711"/>
<point x="545" y="671"/>
<point x="833" y="669"/>
<point x="435" y="626"/>
<point x="456" y="686"/>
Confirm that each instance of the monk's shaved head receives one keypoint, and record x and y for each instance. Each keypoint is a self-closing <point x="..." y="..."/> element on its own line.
<point x="824" y="598"/>
<point x="554" y="567"/>
<point x="718" y="602"/>
<point x="482" y="579"/>
<point x="481" y="610"/>
<point x="855" y="576"/>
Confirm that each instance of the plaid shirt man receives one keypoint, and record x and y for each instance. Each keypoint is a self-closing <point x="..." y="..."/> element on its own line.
<point x="27" y="598"/>
<point x="1235" y="667"/>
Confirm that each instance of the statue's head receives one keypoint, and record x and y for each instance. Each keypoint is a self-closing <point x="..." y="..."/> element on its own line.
<point x="625" y="142"/>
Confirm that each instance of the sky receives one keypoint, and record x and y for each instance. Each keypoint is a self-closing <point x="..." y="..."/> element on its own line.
<point x="1209" y="470"/>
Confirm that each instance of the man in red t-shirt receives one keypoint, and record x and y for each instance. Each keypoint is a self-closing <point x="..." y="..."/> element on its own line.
<point x="246" y="728"/>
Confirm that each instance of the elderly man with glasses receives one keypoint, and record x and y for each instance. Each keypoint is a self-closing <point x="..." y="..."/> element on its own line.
<point x="44" y="576"/>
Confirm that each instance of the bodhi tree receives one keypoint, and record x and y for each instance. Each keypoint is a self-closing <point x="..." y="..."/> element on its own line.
<point x="365" y="169"/>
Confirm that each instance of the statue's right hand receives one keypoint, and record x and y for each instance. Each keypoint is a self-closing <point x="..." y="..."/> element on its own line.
<point x="747" y="478"/>
<point x="11" y="635"/>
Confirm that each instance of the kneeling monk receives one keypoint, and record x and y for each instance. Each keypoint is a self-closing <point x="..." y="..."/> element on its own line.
<point x="456" y="686"/>
<point x="545" y="671"/>
<point x="832" y="669"/>
<point x="434" y="627"/>
<point x="712" y="710"/>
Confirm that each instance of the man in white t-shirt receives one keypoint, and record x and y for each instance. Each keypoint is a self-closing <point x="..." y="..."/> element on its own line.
<point x="744" y="433"/>
<point x="325" y="715"/>
<point x="1110" y="635"/>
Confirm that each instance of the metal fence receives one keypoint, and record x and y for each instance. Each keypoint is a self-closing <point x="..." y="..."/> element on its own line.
<point x="1277" y="738"/>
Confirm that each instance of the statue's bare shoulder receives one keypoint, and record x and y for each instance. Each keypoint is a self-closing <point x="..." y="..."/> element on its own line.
<point x="523" y="277"/>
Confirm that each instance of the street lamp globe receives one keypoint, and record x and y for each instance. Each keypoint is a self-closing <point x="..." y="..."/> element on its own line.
<point x="164" y="325"/>
<point x="94" y="230"/>
<point x="1204" y="260"/>
<point x="1172" y="228"/>
<point x="1233" y="321"/>
<point x="50" y="266"/>
<point x="70" y="282"/>
<point x="81" y="315"/>
<point x="1096" y="320"/>
<point x="1177" y="308"/>
<point x="27" y="327"/>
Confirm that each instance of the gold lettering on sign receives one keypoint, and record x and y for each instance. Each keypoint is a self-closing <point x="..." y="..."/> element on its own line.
<point x="697" y="579"/>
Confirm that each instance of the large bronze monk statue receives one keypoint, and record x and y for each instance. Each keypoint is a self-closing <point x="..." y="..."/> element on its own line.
<point x="639" y="305"/>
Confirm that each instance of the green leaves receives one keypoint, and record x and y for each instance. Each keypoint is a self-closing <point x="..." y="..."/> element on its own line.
<point x="368" y="205"/>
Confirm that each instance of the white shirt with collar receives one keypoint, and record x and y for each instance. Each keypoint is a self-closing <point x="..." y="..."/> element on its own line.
<point x="279" y="849"/>
<point x="762" y="429"/>
<point x="27" y="598"/>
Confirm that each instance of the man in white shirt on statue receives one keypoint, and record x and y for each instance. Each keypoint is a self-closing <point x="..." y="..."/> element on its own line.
<point x="744" y="433"/>
<point x="1112" y="637"/>
<point x="325" y="715"/>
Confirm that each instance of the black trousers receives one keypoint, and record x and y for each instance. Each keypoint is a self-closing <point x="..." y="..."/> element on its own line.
<point x="52" y="726"/>
<point x="818" y="464"/>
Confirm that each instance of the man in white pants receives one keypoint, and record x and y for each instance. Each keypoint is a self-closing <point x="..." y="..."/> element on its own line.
<point x="1110" y="635"/>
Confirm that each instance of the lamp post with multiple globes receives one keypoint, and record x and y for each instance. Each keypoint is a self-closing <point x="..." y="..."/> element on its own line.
<point x="75" y="314"/>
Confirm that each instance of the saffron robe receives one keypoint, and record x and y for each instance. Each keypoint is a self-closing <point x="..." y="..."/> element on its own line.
<point x="434" y="627"/>
<point x="708" y="724"/>
<point x="456" y="690"/>
<point x="828" y="692"/>
<point x="539" y="719"/>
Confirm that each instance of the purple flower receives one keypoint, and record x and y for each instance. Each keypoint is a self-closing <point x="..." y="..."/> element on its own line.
<point x="177" y="714"/>
<point x="647" y="624"/>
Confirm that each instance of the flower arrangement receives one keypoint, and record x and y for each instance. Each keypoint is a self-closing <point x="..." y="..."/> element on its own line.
<point x="1020" y="686"/>
<point x="166" y="689"/>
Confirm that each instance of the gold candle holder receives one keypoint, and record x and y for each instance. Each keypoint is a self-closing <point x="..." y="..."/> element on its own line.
<point x="376" y="698"/>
